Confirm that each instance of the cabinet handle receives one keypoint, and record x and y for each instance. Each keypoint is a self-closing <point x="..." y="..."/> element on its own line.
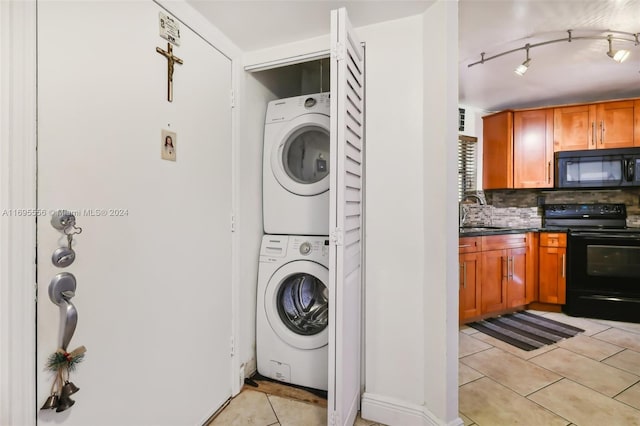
<point x="564" y="265"/>
<point x="594" y="137"/>
<point x="465" y="245"/>
<point x="464" y="274"/>
<point x="505" y="267"/>
<point x="601" y="132"/>
<point x="510" y="267"/>
<point x="549" y="172"/>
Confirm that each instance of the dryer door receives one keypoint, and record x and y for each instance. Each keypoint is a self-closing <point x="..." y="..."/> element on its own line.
<point x="297" y="304"/>
<point x="300" y="159"/>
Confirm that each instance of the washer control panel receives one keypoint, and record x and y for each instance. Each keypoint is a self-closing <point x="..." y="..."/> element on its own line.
<point x="305" y="248"/>
<point x="284" y="248"/>
<point x="315" y="247"/>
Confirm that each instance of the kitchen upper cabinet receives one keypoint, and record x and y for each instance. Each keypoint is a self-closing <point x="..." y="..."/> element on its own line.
<point x="574" y="128"/>
<point x="615" y="124"/>
<point x="505" y="264"/>
<point x="552" y="267"/>
<point x="533" y="149"/>
<point x="497" y="147"/>
<point x="470" y="267"/>
<point x="596" y="126"/>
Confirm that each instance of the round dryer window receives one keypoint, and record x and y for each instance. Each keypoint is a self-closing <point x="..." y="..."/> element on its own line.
<point x="303" y="304"/>
<point x="296" y="303"/>
<point x="300" y="161"/>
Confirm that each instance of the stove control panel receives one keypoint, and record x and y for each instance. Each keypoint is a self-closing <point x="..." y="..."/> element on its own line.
<point x="585" y="211"/>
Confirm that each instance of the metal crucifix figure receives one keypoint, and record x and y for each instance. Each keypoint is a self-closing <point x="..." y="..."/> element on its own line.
<point x="171" y="59"/>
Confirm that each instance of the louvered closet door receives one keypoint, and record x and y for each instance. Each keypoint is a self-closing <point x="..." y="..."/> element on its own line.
<point x="345" y="226"/>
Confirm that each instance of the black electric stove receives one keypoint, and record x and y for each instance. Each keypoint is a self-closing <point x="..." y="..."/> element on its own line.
<point x="603" y="260"/>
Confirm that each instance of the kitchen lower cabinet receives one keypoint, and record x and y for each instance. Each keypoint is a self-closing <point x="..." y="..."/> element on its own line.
<point x="552" y="268"/>
<point x="504" y="272"/>
<point x="497" y="273"/>
<point x="469" y="258"/>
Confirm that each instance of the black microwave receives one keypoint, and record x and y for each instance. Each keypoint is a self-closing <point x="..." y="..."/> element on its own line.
<point x="598" y="168"/>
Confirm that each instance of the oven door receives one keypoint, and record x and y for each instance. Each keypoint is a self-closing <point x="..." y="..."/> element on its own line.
<point x="603" y="275"/>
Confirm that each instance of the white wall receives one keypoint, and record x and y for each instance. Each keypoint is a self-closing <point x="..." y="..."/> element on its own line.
<point x="252" y="107"/>
<point x="411" y="291"/>
<point x="440" y="205"/>
<point x="394" y="211"/>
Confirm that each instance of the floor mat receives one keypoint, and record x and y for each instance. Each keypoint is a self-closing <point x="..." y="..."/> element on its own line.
<point x="525" y="330"/>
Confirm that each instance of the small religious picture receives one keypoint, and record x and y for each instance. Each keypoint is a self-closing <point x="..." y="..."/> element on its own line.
<point x="169" y="140"/>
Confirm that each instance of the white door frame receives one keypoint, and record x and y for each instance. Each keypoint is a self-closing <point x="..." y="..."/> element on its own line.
<point x="18" y="202"/>
<point x="18" y="129"/>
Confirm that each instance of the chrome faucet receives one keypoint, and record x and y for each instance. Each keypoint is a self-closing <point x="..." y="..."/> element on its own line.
<point x="479" y="199"/>
<point x="462" y="213"/>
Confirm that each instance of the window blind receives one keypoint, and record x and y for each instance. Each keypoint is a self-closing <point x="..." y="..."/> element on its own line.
<point x="467" y="154"/>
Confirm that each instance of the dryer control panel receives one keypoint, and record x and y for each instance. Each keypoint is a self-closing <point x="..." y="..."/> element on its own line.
<point x="290" y="108"/>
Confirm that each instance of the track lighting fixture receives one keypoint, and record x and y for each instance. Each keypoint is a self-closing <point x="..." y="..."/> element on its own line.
<point x="617" y="55"/>
<point x="523" y="67"/>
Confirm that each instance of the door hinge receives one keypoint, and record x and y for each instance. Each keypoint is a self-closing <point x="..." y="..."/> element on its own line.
<point x="337" y="237"/>
<point x="233" y="98"/>
<point x="233" y="222"/>
<point x="233" y="346"/>
<point x="338" y="52"/>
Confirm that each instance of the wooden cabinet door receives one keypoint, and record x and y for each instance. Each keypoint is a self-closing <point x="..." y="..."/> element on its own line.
<point x="493" y="279"/>
<point x="533" y="149"/>
<point x="574" y="128"/>
<point x="552" y="275"/>
<point x="516" y="273"/>
<point x="615" y="124"/>
<point x="469" y="285"/>
<point x="497" y="148"/>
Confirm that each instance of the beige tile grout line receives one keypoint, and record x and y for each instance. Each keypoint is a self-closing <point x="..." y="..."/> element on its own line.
<point x="272" y="408"/>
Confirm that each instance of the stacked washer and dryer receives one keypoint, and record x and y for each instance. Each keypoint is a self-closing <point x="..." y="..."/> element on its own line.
<point x="293" y="274"/>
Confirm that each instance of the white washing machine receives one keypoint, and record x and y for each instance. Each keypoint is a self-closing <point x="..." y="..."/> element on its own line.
<point x="293" y="310"/>
<point x="295" y="170"/>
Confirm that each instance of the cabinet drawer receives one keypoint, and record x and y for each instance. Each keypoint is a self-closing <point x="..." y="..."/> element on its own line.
<point x="505" y="241"/>
<point x="553" y="239"/>
<point x="469" y="244"/>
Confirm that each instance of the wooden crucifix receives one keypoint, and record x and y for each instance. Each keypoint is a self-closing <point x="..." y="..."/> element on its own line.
<point x="171" y="59"/>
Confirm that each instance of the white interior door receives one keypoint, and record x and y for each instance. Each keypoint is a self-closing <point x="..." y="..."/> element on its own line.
<point x="345" y="225"/>
<point x="153" y="261"/>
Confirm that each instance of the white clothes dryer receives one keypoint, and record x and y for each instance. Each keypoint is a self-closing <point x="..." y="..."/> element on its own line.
<point x="295" y="172"/>
<point x="293" y="310"/>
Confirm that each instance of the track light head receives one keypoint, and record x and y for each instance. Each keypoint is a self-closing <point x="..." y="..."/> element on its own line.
<point x="617" y="55"/>
<point x="523" y="67"/>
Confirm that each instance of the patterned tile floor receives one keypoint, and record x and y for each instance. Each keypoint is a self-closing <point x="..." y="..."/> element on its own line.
<point x="590" y="379"/>
<point x="253" y="408"/>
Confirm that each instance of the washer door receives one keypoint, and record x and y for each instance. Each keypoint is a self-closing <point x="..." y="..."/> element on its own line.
<point x="300" y="159"/>
<point x="297" y="304"/>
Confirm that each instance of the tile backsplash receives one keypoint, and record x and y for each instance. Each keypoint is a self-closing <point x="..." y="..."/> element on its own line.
<point x="520" y="208"/>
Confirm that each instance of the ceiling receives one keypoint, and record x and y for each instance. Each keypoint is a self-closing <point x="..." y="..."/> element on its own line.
<point x="254" y="25"/>
<point x="560" y="73"/>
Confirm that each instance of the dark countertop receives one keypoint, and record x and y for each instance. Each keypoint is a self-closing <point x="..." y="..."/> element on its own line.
<point x="478" y="231"/>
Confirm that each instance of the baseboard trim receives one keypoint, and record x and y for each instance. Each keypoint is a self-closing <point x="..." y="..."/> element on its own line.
<point x="392" y="411"/>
